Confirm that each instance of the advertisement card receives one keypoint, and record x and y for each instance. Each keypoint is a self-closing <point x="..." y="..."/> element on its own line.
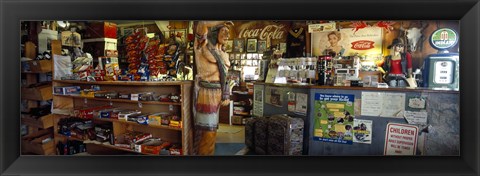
<point x="362" y="131"/>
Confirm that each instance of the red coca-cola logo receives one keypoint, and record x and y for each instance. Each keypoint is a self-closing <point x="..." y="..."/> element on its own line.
<point x="362" y="45"/>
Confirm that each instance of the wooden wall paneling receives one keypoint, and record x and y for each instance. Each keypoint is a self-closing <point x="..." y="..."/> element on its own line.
<point x="187" y="118"/>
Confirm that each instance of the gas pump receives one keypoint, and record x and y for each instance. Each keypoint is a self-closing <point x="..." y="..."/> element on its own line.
<point x="441" y="70"/>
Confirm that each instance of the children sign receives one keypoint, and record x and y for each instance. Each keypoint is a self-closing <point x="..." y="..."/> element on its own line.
<point x="400" y="139"/>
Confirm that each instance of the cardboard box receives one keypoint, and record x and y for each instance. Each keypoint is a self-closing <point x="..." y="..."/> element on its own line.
<point x="101" y="30"/>
<point x="175" y="124"/>
<point x="42" y="122"/>
<point x="123" y="115"/>
<point x="156" y="118"/>
<point x="98" y="47"/>
<point x="32" y="143"/>
<point x="237" y="120"/>
<point x="39" y="66"/>
<point x="89" y="112"/>
<point x="89" y="94"/>
<point x="39" y="93"/>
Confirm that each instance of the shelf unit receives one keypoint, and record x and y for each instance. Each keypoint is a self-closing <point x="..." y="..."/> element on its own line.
<point x="183" y="135"/>
<point x="39" y="128"/>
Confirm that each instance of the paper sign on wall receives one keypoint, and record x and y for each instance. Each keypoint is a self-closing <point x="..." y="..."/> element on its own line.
<point x="302" y="101"/>
<point x="414" y="117"/>
<point x="258" y="100"/>
<point x="400" y="139"/>
<point x="383" y="104"/>
<point x="274" y="96"/>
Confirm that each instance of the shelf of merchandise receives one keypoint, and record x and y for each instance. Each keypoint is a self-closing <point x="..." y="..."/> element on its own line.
<point x="135" y="123"/>
<point x="116" y="148"/>
<point x="64" y="105"/>
<point x="63" y="137"/>
<point x="34" y="95"/>
<point x="122" y="100"/>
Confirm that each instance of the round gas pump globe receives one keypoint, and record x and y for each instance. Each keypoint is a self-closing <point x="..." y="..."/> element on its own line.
<point x="443" y="38"/>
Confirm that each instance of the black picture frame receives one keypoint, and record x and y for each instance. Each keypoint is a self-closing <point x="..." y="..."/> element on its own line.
<point x="262" y="46"/>
<point x="11" y="163"/>
<point x="239" y="45"/>
<point x="251" y="45"/>
<point x="229" y="46"/>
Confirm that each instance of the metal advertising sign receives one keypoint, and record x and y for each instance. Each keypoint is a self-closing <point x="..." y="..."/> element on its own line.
<point x="401" y="139"/>
<point x="443" y="38"/>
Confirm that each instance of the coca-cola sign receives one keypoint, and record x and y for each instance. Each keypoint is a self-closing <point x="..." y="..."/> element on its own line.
<point x="269" y="31"/>
<point x="362" y="45"/>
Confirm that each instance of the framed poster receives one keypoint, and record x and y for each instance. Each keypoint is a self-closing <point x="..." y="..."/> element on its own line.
<point x="229" y="46"/>
<point x="239" y="45"/>
<point x="334" y="115"/>
<point x="251" y="45"/>
<point x="262" y="46"/>
<point x="283" y="47"/>
<point x="347" y="41"/>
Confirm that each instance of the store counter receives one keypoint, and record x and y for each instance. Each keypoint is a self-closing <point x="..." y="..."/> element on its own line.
<point x="439" y="135"/>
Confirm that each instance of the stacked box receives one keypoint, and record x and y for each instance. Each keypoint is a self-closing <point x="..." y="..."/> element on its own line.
<point x="250" y="132"/>
<point x="261" y="135"/>
<point x="285" y="135"/>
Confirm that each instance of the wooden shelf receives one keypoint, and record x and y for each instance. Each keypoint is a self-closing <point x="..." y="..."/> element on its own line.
<point x="56" y="135"/>
<point x="126" y="83"/>
<point x="42" y="122"/>
<point x="30" y="72"/>
<point x="118" y="148"/>
<point x="249" y="106"/>
<point x="135" y="123"/>
<point x="122" y="100"/>
<point x="244" y="115"/>
<point x="64" y="104"/>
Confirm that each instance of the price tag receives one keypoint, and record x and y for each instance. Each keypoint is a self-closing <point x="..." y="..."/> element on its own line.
<point x="85" y="101"/>
<point x="311" y="73"/>
<point x="140" y="104"/>
<point x="111" y="103"/>
<point x="170" y="107"/>
<point x="34" y="63"/>
<point x="293" y="73"/>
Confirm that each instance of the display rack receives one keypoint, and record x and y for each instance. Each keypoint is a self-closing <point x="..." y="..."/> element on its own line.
<point x="39" y="128"/>
<point x="64" y="105"/>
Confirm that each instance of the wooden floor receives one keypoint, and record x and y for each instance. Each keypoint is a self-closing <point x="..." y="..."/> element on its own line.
<point x="230" y="134"/>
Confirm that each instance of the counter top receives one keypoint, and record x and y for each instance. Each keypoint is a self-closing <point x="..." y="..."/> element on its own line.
<point x="312" y="86"/>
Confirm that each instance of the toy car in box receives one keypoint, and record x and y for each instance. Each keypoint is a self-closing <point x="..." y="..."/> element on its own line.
<point x="175" y="149"/>
<point x="123" y="115"/>
<point x="68" y="90"/>
<point x="89" y="112"/>
<point x="139" y="118"/>
<point x="175" y="124"/>
<point x="156" y="118"/>
<point x="109" y="113"/>
<point x="87" y="93"/>
<point x="109" y="95"/>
